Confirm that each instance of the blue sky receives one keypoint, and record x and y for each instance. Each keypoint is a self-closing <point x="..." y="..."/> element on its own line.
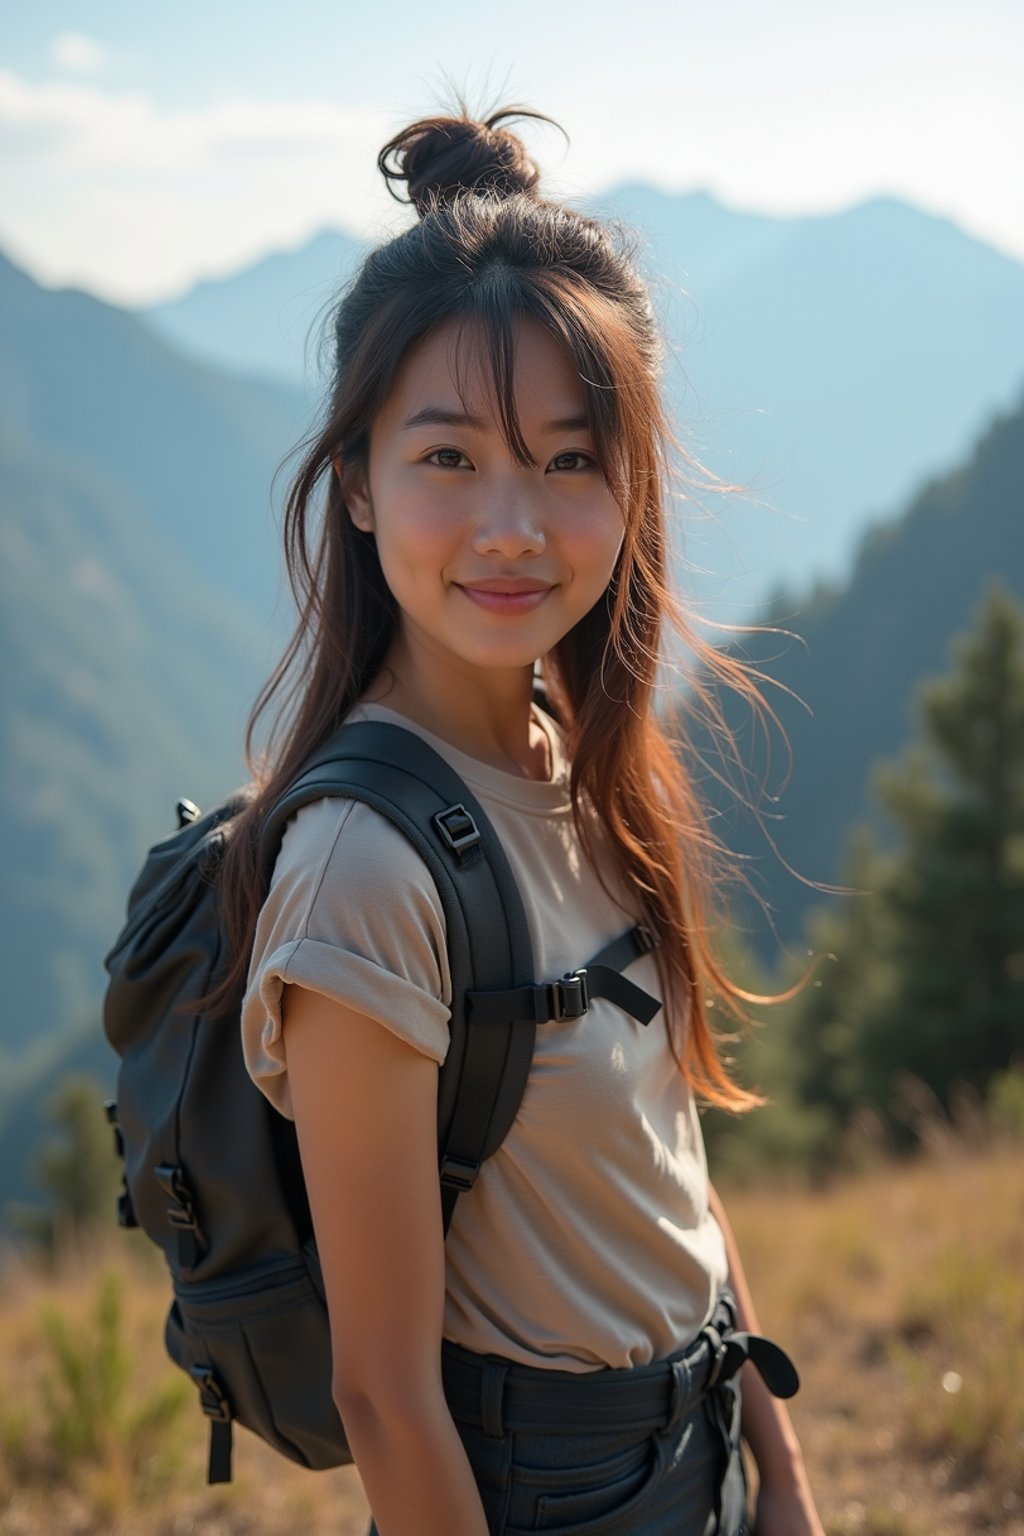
<point x="143" y="147"/>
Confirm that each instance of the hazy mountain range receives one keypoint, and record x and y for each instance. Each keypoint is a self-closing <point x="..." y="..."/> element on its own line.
<point x="828" y="363"/>
<point x="138" y="570"/>
<point x="137" y="581"/>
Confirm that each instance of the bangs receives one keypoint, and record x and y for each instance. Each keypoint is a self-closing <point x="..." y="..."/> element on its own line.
<point x="590" y="331"/>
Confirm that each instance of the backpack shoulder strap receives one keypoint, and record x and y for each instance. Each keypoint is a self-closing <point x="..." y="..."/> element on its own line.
<point x="484" y="1073"/>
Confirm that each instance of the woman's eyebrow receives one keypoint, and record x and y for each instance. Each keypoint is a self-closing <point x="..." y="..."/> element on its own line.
<point x="437" y="416"/>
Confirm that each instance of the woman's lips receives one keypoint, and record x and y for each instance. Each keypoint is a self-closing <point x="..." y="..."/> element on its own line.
<point x="509" y="599"/>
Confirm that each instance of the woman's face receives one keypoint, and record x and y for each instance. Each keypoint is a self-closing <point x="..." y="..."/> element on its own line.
<point x="491" y="562"/>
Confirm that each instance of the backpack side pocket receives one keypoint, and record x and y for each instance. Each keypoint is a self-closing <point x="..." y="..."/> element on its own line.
<point x="264" y="1334"/>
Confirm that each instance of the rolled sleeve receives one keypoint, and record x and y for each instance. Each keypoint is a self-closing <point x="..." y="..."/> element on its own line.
<point x="354" y="915"/>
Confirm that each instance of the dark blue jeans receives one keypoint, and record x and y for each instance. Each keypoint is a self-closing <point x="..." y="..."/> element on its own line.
<point x="611" y="1482"/>
<point x="681" y="1476"/>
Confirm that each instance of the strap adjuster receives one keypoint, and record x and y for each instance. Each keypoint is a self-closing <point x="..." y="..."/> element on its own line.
<point x="569" y="997"/>
<point x="212" y="1398"/>
<point x="457" y="1173"/>
<point x="110" y="1110"/>
<point x="181" y="1213"/>
<point x="459" y="831"/>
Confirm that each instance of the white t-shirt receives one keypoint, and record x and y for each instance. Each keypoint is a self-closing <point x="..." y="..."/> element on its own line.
<point x="587" y="1240"/>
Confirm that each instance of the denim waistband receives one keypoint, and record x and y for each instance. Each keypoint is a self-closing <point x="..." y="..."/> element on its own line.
<point x="496" y="1395"/>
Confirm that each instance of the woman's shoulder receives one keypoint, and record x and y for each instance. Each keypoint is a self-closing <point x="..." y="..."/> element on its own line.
<point x="341" y="851"/>
<point x="353" y="914"/>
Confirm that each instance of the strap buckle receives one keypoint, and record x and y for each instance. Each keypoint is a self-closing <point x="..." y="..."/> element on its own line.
<point x="212" y="1398"/>
<point x="457" y="1173"/>
<point x="181" y="1213"/>
<point x="459" y="831"/>
<point x="569" y="997"/>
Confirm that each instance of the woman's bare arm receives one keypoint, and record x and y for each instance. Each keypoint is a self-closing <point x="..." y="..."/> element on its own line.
<point x="365" y="1106"/>
<point x="785" y="1505"/>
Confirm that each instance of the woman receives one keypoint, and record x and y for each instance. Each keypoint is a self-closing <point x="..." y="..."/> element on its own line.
<point x="493" y="456"/>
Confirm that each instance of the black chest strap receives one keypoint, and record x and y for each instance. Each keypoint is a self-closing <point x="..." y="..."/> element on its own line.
<point x="570" y="996"/>
<point x="543" y="1003"/>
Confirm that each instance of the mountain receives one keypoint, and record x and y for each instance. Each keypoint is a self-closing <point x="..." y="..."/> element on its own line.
<point x="831" y="362"/>
<point x="137" y="575"/>
<point x="863" y="648"/>
<point x="134" y="619"/>
<point x="195" y="449"/>
<point x="261" y="321"/>
<point x="827" y="363"/>
<point x="126" y="679"/>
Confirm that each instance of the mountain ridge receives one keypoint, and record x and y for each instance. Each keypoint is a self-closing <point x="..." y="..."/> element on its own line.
<point x="826" y="361"/>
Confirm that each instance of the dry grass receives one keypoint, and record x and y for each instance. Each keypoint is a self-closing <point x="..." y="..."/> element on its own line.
<point x="900" y="1294"/>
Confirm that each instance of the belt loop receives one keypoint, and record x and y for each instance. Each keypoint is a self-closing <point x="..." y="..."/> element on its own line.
<point x="492" y="1390"/>
<point x="681" y="1401"/>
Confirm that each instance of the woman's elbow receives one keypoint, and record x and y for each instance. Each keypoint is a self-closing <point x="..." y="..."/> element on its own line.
<point x="390" y="1399"/>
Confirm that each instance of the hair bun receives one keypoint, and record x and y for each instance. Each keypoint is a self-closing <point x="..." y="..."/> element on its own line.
<point x="439" y="156"/>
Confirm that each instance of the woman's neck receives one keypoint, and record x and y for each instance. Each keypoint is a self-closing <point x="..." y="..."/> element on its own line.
<point x="488" y="716"/>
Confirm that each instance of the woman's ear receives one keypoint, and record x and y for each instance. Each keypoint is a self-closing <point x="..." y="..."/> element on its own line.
<point x="357" y="498"/>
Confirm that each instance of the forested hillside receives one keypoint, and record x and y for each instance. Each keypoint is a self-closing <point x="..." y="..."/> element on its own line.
<point x="137" y="580"/>
<point x="853" y="658"/>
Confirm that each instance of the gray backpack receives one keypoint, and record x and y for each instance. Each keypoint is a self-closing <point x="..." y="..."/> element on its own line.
<point x="212" y="1170"/>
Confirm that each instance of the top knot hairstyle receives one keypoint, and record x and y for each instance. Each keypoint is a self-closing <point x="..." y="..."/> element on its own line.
<point x="438" y="157"/>
<point x="487" y="252"/>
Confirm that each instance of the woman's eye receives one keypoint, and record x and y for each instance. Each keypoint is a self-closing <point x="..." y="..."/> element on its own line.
<point x="446" y="458"/>
<point x="576" y="460"/>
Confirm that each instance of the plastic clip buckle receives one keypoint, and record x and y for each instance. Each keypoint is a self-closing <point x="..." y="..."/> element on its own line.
<point x="181" y="1213"/>
<point x="212" y="1399"/>
<point x="569" y="997"/>
<point x="459" y="830"/>
<point x="458" y="1174"/>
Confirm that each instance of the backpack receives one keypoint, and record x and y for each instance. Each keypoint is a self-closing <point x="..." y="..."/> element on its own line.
<point x="212" y="1171"/>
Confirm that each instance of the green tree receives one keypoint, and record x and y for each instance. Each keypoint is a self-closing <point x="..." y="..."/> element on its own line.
<point x="76" y="1166"/>
<point x="785" y="1133"/>
<point x="832" y="1018"/>
<point x="953" y="897"/>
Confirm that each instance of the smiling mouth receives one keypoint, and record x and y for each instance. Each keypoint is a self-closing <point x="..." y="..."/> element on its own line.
<point x="508" y="597"/>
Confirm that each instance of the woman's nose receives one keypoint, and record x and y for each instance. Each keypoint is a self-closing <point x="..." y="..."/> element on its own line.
<point x="509" y="523"/>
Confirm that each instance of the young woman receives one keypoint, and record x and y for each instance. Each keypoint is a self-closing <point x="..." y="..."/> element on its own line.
<point x="493" y="458"/>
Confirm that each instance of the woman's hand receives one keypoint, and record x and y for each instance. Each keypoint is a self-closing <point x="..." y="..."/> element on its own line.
<point x="785" y="1504"/>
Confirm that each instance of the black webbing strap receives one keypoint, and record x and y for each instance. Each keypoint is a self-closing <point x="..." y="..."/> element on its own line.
<point x="214" y="1403"/>
<point x="396" y="773"/>
<point x="625" y="949"/>
<point x="569" y="997"/>
<point x="605" y="978"/>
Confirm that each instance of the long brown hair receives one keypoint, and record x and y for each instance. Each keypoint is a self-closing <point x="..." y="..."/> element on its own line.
<point x="488" y="250"/>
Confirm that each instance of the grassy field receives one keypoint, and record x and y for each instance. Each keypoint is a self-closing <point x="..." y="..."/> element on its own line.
<point x="900" y="1294"/>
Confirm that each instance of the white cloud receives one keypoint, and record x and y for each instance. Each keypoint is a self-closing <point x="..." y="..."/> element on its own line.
<point x="76" y="54"/>
<point x="112" y="191"/>
<point x="90" y="128"/>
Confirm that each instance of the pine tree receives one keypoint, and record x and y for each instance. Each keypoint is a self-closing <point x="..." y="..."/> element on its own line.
<point x="833" y="1017"/>
<point x="954" y="894"/>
